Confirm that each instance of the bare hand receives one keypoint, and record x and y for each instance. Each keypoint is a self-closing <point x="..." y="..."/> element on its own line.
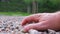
<point x="43" y="21"/>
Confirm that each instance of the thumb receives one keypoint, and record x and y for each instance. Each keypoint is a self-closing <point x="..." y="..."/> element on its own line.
<point x="37" y="26"/>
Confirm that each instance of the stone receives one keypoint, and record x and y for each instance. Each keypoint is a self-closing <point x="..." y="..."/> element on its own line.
<point x="32" y="31"/>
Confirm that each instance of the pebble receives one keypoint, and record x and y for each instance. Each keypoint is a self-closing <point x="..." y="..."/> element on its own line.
<point x="32" y="31"/>
<point x="11" y="25"/>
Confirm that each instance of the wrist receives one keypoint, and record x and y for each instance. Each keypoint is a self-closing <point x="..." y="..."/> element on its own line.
<point x="58" y="15"/>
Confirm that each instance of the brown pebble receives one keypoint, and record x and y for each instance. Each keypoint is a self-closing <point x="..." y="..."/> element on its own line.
<point x="17" y="27"/>
<point x="3" y="30"/>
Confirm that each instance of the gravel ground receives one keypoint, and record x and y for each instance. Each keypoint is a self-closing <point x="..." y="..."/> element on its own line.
<point x="11" y="25"/>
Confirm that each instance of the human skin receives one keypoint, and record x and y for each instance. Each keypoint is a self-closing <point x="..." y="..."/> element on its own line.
<point x="42" y="21"/>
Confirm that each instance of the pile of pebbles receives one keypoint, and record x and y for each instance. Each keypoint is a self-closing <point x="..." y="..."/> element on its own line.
<point x="11" y="25"/>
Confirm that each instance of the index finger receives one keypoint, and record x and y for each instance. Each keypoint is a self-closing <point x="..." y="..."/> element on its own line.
<point x="26" y="20"/>
<point x="32" y="18"/>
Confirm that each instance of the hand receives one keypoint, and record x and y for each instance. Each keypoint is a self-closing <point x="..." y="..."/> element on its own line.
<point x="43" y="21"/>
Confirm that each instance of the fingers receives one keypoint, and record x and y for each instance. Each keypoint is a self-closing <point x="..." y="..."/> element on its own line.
<point x="37" y="26"/>
<point x="26" y="20"/>
<point x="31" y="18"/>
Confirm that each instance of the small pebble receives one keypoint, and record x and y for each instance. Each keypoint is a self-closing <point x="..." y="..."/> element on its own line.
<point x="32" y="31"/>
<point x="12" y="25"/>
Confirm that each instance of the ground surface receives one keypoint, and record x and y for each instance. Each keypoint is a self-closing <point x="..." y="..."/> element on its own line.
<point x="11" y="25"/>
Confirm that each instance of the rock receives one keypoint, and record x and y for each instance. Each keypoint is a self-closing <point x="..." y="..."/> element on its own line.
<point x="32" y="31"/>
<point x="51" y="31"/>
<point x="12" y="25"/>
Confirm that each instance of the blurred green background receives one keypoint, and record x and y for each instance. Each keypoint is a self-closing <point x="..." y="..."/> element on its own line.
<point x="27" y="7"/>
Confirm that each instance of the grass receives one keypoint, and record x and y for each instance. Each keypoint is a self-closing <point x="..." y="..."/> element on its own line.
<point x="14" y="13"/>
